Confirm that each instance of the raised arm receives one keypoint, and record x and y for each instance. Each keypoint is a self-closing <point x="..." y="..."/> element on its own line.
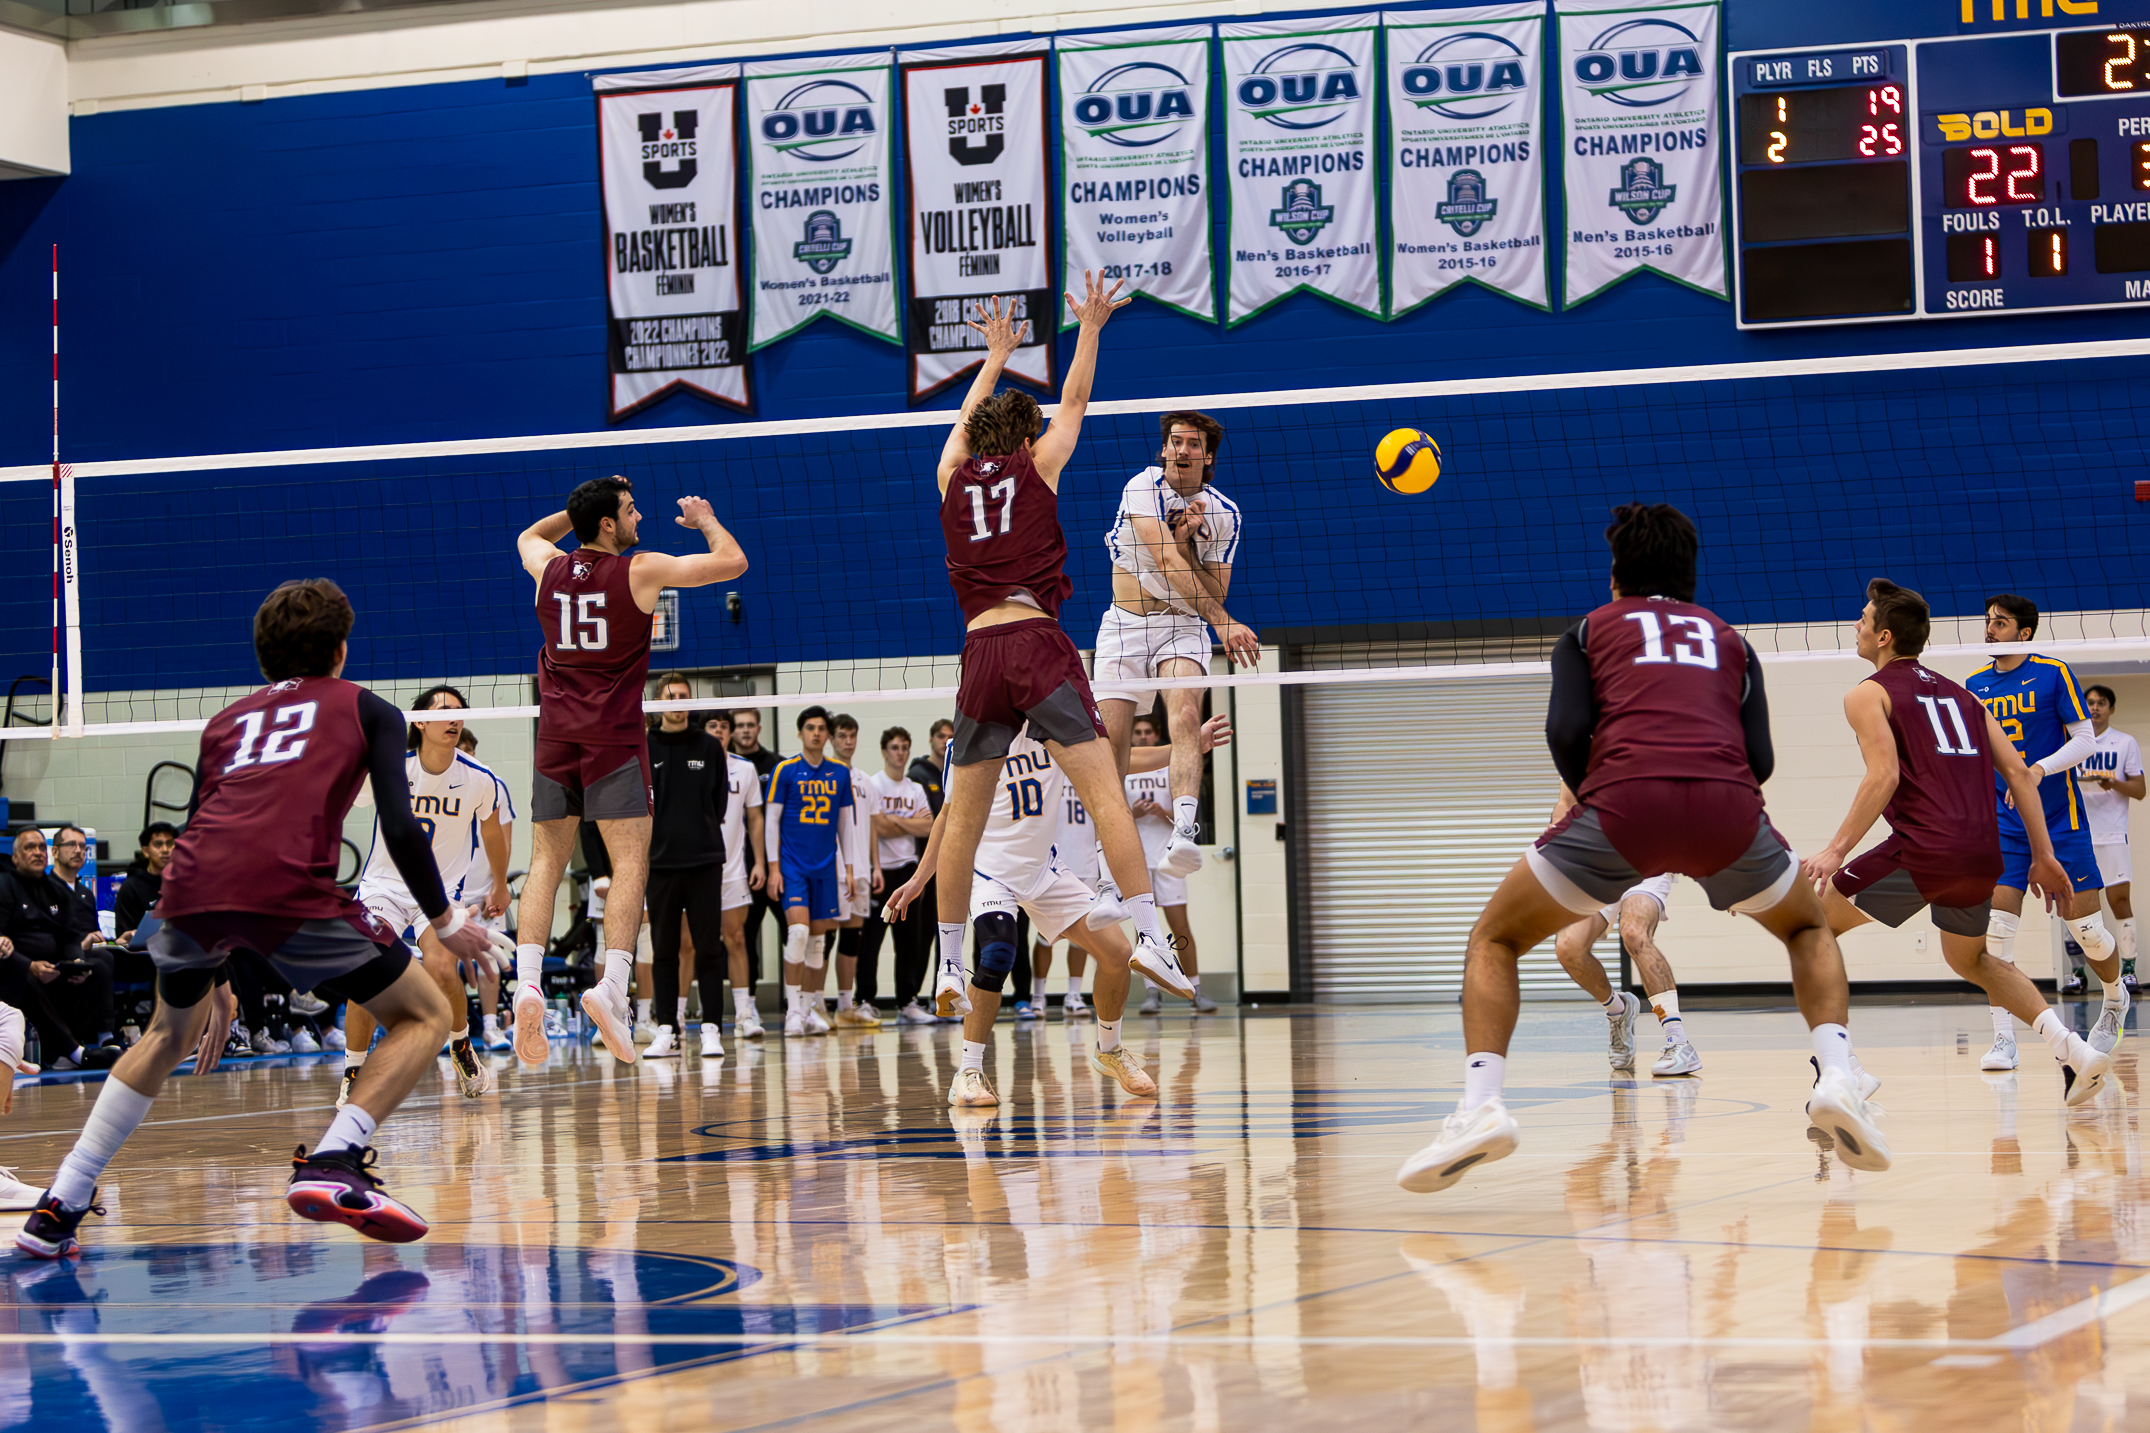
<point x="652" y="572"/>
<point x="1003" y="336"/>
<point x="1866" y="707"/>
<point x="1051" y="452"/>
<point x="539" y="543"/>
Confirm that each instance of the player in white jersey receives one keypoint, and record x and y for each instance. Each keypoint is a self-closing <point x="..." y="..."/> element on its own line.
<point x="456" y="800"/>
<point x="854" y="901"/>
<point x="1077" y="849"/>
<point x="477" y="890"/>
<point x="1173" y="543"/>
<point x="2112" y="776"/>
<point x="1149" y="794"/>
<point x="742" y="830"/>
<point x="1016" y="869"/>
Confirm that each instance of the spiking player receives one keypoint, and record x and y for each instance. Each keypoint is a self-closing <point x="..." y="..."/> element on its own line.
<point x="1927" y="762"/>
<point x="256" y="870"/>
<point x="2040" y="709"/>
<point x="456" y="803"/>
<point x="1173" y="544"/>
<point x="810" y="802"/>
<point x="592" y="756"/>
<point x="1635" y="917"/>
<point x="1018" y="869"/>
<point x="1659" y="724"/>
<point x="999" y="481"/>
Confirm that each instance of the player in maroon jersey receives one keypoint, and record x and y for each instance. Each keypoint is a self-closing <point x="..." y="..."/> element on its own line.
<point x="592" y="756"/>
<point x="1000" y="483"/>
<point x="1930" y="748"/>
<point x="1659" y="725"/>
<point x="255" y="870"/>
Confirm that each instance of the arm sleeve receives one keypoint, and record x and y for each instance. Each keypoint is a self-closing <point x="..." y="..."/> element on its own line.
<point x="1754" y="720"/>
<point x="1571" y="717"/>
<point x="2081" y="742"/>
<point x="405" y="839"/>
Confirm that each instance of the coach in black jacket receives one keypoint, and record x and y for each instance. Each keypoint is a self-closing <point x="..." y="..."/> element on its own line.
<point x="686" y="869"/>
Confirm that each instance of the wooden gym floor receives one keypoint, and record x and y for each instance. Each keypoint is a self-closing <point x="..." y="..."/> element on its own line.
<point x="806" y="1234"/>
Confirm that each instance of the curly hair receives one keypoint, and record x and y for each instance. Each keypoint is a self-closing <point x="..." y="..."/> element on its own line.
<point x="1003" y="423"/>
<point x="1653" y="550"/>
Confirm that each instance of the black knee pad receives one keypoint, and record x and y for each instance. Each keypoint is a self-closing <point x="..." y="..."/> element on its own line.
<point x="183" y="989"/>
<point x="996" y="950"/>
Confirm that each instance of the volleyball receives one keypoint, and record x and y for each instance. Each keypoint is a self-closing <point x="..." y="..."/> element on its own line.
<point x="1407" y="461"/>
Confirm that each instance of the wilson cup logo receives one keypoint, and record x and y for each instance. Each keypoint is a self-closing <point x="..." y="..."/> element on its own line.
<point x="977" y="130"/>
<point x="1138" y="105"/>
<point x="1473" y="75"/>
<point x="1642" y="64"/>
<point x="1643" y="192"/>
<point x="1300" y="87"/>
<point x="824" y="246"/>
<point x="821" y="121"/>
<point x="1301" y="214"/>
<point x="672" y="144"/>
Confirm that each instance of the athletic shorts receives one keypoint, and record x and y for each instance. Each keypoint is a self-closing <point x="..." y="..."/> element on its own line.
<point x="736" y="893"/>
<point x="1880" y="884"/>
<point x="1657" y="888"/>
<point x="1130" y="648"/>
<point x="847" y="908"/>
<point x="1169" y="890"/>
<point x="595" y="783"/>
<point x="2071" y="848"/>
<point x="811" y="889"/>
<point x="1712" y="831"/>
<point x="1058" y="901"/>
<point x="2115" y="866"/>
<point x="1076" y="853"/>
<point x="341" y="949"/>
<point x="394" y="908"/>
<point x="1021" y="672"/>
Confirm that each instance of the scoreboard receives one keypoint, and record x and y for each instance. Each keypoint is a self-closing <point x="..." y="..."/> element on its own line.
<point x="1939" y="178"/>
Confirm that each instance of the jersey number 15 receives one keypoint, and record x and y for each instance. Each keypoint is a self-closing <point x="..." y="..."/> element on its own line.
<point x="582" y="622"/>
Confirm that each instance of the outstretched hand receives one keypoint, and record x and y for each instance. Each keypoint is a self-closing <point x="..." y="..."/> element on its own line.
<point x="1216" y="732"/>
<point x="1098" y="302"/>
<point x="1002" y="334"/>
<point x="693" y="512"/>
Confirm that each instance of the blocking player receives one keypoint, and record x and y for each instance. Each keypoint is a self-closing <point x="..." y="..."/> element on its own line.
<point x="456" y="802"/>
<point x="592" y="759"/>
<point x="999" y="480"/>
<point x="742" y="876"/>
<point x="1147" y="793"/>
<point x="2112" y="776"/>
<point x="1659" y="724"/>
<point x="1635" y="916"/>
<point x="255" y="870"/>
<point x="1927" y="758"/>
<point x="808" y="797"/>
<point x="1173" y="543"/>
<point x="2040" y="709"/>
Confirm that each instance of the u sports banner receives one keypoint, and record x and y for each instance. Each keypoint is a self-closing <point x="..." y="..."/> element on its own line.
<point x="974" y="148"/>
<point x="668" y="165"/>
<point x="1466" y="197"/>
<point x="1299" y="136"/>
<point x="1641" y="145"/>
<point x="1134" y="164"/>
<point x="821" y="139"/>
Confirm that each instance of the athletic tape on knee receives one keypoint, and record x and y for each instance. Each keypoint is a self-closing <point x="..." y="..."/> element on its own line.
<point x="2001" y="936"/>
<point x="996" y="950"/>
<point x="795" y="945"/>
<point x="2091" y="934"/>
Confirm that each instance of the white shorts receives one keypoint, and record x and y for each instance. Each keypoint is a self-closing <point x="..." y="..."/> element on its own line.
<point x="1059" y="901"/>
<point x="736" y="893"/>
<point x="1169" y="890"/>
<point x="1081" y="862"/>
<point x="395" y="908"/>
<point x="1130" y="649"/>
<point x="846" y="908"/>
<point x="2115" y="863"/>
<point x="1657" y="888"/>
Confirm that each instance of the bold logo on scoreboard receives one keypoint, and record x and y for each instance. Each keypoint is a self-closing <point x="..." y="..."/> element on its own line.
<point x="1138" y="105"/>
<point x="1467" y="209"/>
<point x="1474" y="75"/>
<point x="821" y="121"/>
<point x="1301" y="87"/>
<point x="672" y="144"/>
<point x="1642" y="64"/>
<point x="824" y="246"/>
<point x="1303" y="215"/>
<point x="1993" y="124"/>
<point x="1643" y="193"/>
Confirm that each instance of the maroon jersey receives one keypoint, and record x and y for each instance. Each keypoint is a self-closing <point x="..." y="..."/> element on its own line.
<point x="278" y="772"/>
<point x="1668" y="679"/>
<point x="1942" y="813"/>
<point x="596" y="655"/>
<point x="1002" y="524"/>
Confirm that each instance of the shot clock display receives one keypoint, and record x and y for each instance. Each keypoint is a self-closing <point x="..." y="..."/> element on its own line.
<point x="2101" y="62"/>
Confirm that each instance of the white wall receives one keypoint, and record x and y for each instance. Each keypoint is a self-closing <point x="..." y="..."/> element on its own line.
<point x="33" y="105"/>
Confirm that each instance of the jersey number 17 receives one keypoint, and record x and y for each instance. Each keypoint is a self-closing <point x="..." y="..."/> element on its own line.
<point x="981" y="525"/>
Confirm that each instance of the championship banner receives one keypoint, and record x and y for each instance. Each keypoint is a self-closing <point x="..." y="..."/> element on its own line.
<point x="821" y="145"/>
<point x="668" y="169"/>
<point x="1466" y="152"/>
<point x="1134" y="164"/>
<point x="1299" y="134"/>
<point x="1642" y="136"/>
<point x="974" y="152"/>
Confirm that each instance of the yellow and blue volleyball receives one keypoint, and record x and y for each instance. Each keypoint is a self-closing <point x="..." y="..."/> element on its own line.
<point x="1407" y="461"/>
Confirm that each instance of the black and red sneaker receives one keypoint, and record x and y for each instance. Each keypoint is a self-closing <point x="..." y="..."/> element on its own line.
<point x="340" y="1188"/>
<point x="49" y="1232"/>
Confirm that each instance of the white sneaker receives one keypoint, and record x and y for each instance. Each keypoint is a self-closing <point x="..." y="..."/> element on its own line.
<point x="749" y="1026"/>
<point x="970" y="1089"/>
<point x="817" y="1019"/>
<point x="306" y="1003"/>
<point x="1108" y="908"/>
<point x="645" y="1031"/>
<point x="712" y="1041"/>
<point x="304" y="1043"/>
<point x="795" y="1022"/>
<point x="1679" y="1058"/>
<point x="607" y="1007"/>
<point x="1203" y="1005"/>
<point x="1074" y="1008"/>
<point x="1467" y="1139"/>
<point x="1152" y="1003"/>
<point x="2002" y="1055"/>
<point x="949" y="996"/>
<point x="1869" y="1083"/>
<point x="2084" y="1072"/>
<point x="495" y="1038"/>
<point x="1161" y="966"/>
<point x="1620" y="1032"/>
<point x="664" y="1046"/>
<point x="333" y="1040"/>
<point x="14" y="1194"/>
<point x="1125" y="1066"/>
<point x="915" y="1014"/>
<point x="1181" y="857"/>
<point x="2109" y="1031"/>
<point x="531" y="1046"/>
<point x="1837" y="1111"/>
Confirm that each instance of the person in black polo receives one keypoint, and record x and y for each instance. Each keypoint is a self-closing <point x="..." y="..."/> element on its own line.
<point x="41" y="930"/>
<point x="689" y="779"/>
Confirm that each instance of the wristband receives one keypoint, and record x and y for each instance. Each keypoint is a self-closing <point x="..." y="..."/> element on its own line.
<point x="457" y="919"/>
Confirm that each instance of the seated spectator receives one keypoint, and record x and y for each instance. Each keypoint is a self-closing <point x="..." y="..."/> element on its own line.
<point x="145" y="879"/>
<point x="40" y="925"/>
<point x="70" y="853"/>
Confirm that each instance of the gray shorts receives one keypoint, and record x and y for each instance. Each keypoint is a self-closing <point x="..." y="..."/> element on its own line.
<point x="1580" y="868"/>
<point x="1895" y="898"/>
<point x="305" y="952"/>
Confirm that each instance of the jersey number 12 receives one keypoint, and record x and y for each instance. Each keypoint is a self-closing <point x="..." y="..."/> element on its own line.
<point x="288" y="723"/>
<point x="981" y="526"/>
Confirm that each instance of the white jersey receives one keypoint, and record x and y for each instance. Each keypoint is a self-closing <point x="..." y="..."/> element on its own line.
<point x="1155" y="831"/>
<point x="2114" y="754"/>
<point x="1077" y="842"/>
<point x="1017" y="847"/>
<point x="1147" y="494"/>
<point x="480" y="882"/>
<point x="854" y="833"/>
<point x="449" y="806"/>
<point x="744" y="788"/>
<point x="899" y="797"/>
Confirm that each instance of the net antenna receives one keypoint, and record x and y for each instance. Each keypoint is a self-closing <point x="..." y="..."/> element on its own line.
<point x="66" y="563"/>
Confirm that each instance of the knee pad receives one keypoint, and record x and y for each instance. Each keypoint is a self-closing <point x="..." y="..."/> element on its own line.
<point x="996" y="950"/>
<point x="795" y="945"/>
<point x="2091" y="934"/>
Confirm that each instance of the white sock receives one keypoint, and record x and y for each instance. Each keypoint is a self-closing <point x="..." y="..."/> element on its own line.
<point x="117" y="1111"/>
<point x="742" y="1001"/>
<point x="353" y="1058"/>
<point x="845" y="999"/>
<point x="1667" y="1009"/>
<point x="1144" y="909"/>
<point x="1832" y="1049"/>
<point x="530" y="965"/>
<point x="795" y="945"/>
<point x="951" y="943"/>
<point x="1148" y="984"/>
<point x="1196" y="982"/>
<point x="2053" y="1032"/>
<point x="1183" y="814"/>
<point x="2127" y="939"/>
<point x="351" y="1129"/>
<point x="682" y="1013"/>
<point x="1074" y="985"/>
<point x="617" y="964"/>
<point x="1482" y="1076"/>
<point x="2117" y="997"/>
<point x="1108" y="1035"/>
<point x="2003" y="1022"/>
<point x="642" y="1011"/>
<point x="974" y="1054"/>
<point x="1615" y="1008"/>
<point x="457" y="1037"/>
<point x="791" y="1001"/>
<point x="492" y="1023"/>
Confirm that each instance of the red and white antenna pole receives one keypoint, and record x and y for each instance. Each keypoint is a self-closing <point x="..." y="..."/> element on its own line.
<point x="56" y="488"/>
<point x="66" y="563"/>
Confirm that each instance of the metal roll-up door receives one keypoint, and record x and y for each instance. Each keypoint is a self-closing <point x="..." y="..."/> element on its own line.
<point x="1419" y="797"/>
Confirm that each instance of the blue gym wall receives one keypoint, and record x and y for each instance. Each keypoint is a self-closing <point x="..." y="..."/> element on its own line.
<point x="423" y="263"/>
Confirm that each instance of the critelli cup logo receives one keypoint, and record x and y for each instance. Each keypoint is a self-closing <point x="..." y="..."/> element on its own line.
<point x="1474" y="75"/>
<point x="821" y="121"/>
<point x="1643" y="192"/>
<point x="823" y="246"/>
<point x="1467" y="209"/>
<point x="1642" y="64"/>
<point x="1300" y="87"/>
<point x="1138" y="105"/>
<point x="1302" y="215"/>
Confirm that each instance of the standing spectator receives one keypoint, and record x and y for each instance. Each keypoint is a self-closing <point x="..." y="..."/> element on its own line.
<point x="856" y="899"/>
<point x="689" y="772"/>
<point x="2112" y="776"/>
<point x="901" y="817"/>
<point x="145" y="878"/>
<point x="746" y="745"/>
<point x="42" y="946"/>
<point x="744" y="872"/>
<point x="928" y="770"/>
